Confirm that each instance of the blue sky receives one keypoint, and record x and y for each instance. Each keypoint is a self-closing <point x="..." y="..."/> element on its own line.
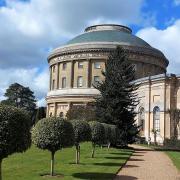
<point x="30" y="29"/>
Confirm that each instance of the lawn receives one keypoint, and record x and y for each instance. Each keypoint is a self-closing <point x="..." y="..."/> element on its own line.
<point x="34" y="162"/>
<point x="175" y="157"/>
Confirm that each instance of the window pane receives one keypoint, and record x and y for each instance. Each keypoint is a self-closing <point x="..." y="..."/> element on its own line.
<point x="97" y="65"/>
<point x="80" y="81"/>
<point x="96" y="79"/>
<point x="80" y="64"/>
<point x="64" y="66"/>
<point x="63" y="82"/>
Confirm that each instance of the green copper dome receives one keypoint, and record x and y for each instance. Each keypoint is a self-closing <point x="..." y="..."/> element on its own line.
<point x="109" y="33"/>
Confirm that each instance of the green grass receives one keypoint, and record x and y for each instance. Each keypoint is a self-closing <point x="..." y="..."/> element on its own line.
<point x="175" y="157"/>
<point x="34" y="162"/>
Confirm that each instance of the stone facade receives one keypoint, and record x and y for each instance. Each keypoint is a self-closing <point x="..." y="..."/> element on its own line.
<point x="76" y="66"/>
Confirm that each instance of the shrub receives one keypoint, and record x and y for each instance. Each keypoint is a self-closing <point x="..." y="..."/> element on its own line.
<point x="86" y="113"/>
<point x="15" y="133"/>
<point x="107" y="133"/>
<point x="82" y="132"/>
<point x="53" y="134"/>
<point x="97" y="134"/>
<point x="113" y="136"/>
<point x="172" y="143"/>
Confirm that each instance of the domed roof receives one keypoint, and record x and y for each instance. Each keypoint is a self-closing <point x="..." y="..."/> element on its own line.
<point x="109" y="33"/>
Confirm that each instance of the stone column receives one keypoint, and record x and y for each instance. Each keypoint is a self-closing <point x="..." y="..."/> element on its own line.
<point x="71" y="78"/>
<point x="57" y="76"/>
<point x="50" y="78"/>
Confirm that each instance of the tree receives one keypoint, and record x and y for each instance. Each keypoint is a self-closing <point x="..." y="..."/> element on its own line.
<point x="117" y="100"/>
<point x="40" y="114"/>
<point x="53" y="134"/>
<point x="85" y="112"/>
<point x="20" y="97"/>
<point x="175" y="119"/>
<point x="15" y="136"/>
<point x="97" y="134"/>
<point x="82" y="132"/>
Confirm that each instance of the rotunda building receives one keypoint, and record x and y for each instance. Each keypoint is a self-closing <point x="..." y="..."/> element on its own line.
<point x="75" y="66"/>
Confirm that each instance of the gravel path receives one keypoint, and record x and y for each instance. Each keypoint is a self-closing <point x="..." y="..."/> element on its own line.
<point x="146" y="164"/>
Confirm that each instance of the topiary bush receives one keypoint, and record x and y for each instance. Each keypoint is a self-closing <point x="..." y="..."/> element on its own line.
<point x="15" y="136"/>
<point x="53" y="134"/>
<point x="82" y="132"/>
<point x="97" y="134"/>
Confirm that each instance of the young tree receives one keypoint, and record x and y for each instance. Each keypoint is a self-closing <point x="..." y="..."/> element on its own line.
<point x="82" y="132"/>
<point x="117" y="99"/>
<point x="53" y="134"/>
<point x="97" y="134"/>
<point x="15" y="136"/>
<point x="20" y="97"/>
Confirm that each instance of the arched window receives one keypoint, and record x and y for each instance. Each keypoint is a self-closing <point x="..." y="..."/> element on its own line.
<point x="141" y="119"/>
<point x="61" y="114"/>
<point x="156" y="118"/>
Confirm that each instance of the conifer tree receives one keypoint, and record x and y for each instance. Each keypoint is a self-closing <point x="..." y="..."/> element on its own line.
<point x="118" y="99"/>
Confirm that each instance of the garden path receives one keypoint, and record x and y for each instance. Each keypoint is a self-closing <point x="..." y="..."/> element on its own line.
<point x="147" y="164"/>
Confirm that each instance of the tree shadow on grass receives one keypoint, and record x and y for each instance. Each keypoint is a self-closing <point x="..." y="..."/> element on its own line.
<point x="108" y="164"/>
<point x="121" y="153"/>
<point x="119" y="157"/>
<point x="94" y="175"/>
<point x="123" y="177"/>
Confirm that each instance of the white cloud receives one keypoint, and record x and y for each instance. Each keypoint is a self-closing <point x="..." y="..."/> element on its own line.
<point x="32" y="78"/>
<point x="29" y="29"/>
<point x="167" y="41"/>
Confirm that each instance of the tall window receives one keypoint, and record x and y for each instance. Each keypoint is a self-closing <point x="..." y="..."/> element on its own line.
<point x="96" y="79"/>
<point x="64" y="82"/>
<point x="141" y="118"/>
<point x="80" y="64"/>
<point x="156" y="118"/>
<point x="79" y="81"/>
<point x="97" y="65"/>
<point x="64" y="66"/>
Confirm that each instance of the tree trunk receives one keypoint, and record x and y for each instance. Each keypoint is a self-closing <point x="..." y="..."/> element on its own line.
<point x="93" y="150"/>
<point x="52" y="163"/>
<point x="109" y="144"/>
<point x="77" y="154"/>
<point x="1" y="169"/>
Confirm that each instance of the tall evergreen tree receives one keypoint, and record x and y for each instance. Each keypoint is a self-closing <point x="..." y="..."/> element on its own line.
<point x="117" y="99"/>
<point x="20" y="97"/>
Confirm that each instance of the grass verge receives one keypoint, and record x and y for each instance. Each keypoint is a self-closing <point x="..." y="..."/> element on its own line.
<point x="34" y="163"/>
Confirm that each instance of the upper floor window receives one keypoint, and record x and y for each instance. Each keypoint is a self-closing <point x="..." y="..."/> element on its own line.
<point x="64" y="66"/>
<point x="64" y="82"/>
<point x="97" y="65"/>
<point x="79" y="81"/>
<point x="80" y="65"/>
<point x="96" y="79"/>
